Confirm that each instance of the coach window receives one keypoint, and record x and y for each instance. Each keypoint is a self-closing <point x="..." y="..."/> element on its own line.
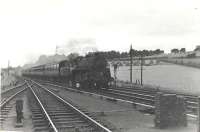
<point x="55" y="67"/>
<point x="52" y="67"/>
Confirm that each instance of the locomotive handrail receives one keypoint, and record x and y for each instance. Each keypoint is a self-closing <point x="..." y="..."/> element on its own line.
<point x="77" y="110"/>
<point x="41" y="105"/>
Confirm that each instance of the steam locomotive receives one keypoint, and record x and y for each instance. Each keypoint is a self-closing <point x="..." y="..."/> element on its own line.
<point x="82" y="72"/>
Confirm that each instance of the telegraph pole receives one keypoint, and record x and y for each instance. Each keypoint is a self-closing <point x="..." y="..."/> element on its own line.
<point x="131" y="64"/>
<point x="141" y="70"/>
<point x="115" y="73"/>
<point x="56" y="49"/>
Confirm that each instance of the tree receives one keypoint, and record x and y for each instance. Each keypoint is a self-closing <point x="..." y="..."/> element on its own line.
<point x="174" y="51"/>
<point x="182" y="50"/>
<point x="72" y="56"/>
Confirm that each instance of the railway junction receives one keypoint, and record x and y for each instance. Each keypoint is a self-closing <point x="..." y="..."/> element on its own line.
<point x="52" y="106"/>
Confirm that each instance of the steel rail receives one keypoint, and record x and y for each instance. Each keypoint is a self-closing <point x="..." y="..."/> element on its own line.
<point x="77" y="110"/>
<point x="145" y="95"/>
<point x="41" y="105"/>
<point x="134" y="93"/>
<point x="3" y="92"/>
<point x="112" y="98"/>
<point x="11" y="97"/>
<point x="104" y="96"/>
<point x="129" y="96"/>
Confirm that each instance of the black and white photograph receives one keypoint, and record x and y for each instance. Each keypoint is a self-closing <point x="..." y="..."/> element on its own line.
<point x="100" y="65"/>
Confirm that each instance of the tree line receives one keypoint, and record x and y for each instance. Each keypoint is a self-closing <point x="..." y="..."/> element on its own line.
<point x="136" y="53"/>
<point x="175" y="50"/>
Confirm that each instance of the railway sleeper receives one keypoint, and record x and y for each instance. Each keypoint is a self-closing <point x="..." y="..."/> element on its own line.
<point x="38" y="112"/>
<point x="4" y="113"/>
<point x="41" y="128"/>
<point x="133" y="94"/>
<point x="60" y="114"/>
<point x="66" y="119"/>
<point x="59" y="110"/>
<point x="75" y="126"/>
<point x="41" y="123"/>
<point x="37" y="117"/>
<point x="2" y="119"/>
<point x="66" y="116"/>
<point x="3" y="116"/>
<point x="5" y="110"/>
<point x="7" y="107"/>
<point x="132" y="97"/>
<point x="54" y="108"/>
<point x="63" y="122"/>
<point x="35" y="109"/>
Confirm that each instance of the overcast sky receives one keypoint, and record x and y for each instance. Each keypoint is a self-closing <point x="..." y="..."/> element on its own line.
<point x="29" y="28"/>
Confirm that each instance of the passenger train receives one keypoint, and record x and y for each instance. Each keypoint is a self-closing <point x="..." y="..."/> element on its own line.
<point x="82" y="72"/>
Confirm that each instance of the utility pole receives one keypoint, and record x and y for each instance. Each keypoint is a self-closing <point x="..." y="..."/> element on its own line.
<point x="115" y="73"/>
<point x="131" y="64"/>
<point x="56" y="49"/>
<point x="141" y="70"/>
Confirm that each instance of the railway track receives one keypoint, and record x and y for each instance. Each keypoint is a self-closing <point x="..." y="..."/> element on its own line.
<point x="55" y="113"/>
<point x="9" y="92"/>
<point x="9" y="100"/>
<point x="135" y="96"/>
<point x="191" y="101"/>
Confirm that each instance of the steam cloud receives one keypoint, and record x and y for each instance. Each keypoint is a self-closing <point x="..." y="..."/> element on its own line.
<point x="80" y="46"/>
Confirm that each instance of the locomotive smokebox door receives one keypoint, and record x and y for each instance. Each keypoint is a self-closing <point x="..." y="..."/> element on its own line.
<point x="19" y="112"/>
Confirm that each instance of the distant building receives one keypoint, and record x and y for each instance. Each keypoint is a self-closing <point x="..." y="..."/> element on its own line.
<point x="197" y="48"/>
<point x="197" y="53"/>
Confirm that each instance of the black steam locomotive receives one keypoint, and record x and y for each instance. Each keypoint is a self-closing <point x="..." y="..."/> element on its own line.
<point x="82" y="72"/>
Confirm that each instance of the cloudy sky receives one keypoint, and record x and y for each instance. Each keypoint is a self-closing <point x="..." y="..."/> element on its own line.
<point x="29" y="28"/>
